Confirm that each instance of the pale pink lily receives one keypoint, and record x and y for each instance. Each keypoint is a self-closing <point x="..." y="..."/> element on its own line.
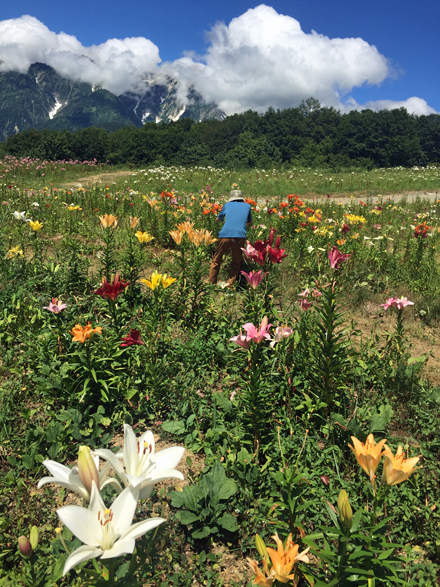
<point x="397" y="303"/>
<point x="305" y="293"/>
<point x="254" y="278"/>
<point x="260" y="333"/>
<point x="106" y="532"/>
<point x="55" y="306"/>
<point x="69" y="478"/>
<point x="241" y="340"/>
<point x="142" y="467"/>
<point x="280" y="333"/>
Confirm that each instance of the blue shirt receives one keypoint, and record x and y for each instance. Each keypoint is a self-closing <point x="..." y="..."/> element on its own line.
<point x="236" y="215"/>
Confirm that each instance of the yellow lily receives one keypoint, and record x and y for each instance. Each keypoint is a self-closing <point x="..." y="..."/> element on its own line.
<point x="397" y="468"/>
<point x="167" y="281"/>
<point x="143" y="237"/>
<point x="154" y="280"/>
<point x="35" y="225"/>
<point x="14" y="252"/>
<point x="368" y="455"/>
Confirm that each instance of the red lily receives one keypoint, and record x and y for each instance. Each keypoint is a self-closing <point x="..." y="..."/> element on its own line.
<point x="132" y="338"/>
<point x="110" y="291"/>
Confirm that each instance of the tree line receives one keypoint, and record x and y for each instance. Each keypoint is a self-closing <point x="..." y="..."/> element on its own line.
<point x="308" y="135"/>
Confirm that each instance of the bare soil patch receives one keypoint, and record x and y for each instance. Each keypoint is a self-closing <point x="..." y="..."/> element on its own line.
<point x="96" y="179"/>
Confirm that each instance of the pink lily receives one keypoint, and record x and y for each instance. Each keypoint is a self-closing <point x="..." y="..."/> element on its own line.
<point x="254" y="278"/>
<point x="397" y="303"/>
<point x="253" y="254"/>
<point x="257" y="335"/>
<point x="55" y="306"/>
<point x="280" y="333"/>
<point x="304" y="294"/>
<point x="336" y="257"/>
<point x="305" y="304"/>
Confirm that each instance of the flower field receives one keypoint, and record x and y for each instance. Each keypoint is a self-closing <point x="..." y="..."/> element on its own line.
<point x="159" y="430"/>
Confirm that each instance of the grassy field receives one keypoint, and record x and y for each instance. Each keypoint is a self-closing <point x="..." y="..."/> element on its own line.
<point x="263" y="386"/>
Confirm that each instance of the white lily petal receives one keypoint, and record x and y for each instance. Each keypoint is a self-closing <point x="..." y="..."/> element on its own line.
<point x="111" y="458"/>
<point x="96" y="503"/>
<point x="81" y="522"/>
<point x="168" y="458"/>
<point x="130" y="450"/>
<point x="147" y="437"/>
<point x="146" y="491"/>
<point x="142" y="528"/>
<point x="79" y="489"/>
<point x="114" y="483"/>
<point x="58" y="470"/>
<point x="135" y="480"/>
<point x="123" y="509"/>
<point x="81" y="554"/>
<point x="124" y="546"/>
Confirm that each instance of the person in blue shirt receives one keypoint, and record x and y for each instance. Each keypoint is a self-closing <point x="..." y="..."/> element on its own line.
<point x="238" y="216"/>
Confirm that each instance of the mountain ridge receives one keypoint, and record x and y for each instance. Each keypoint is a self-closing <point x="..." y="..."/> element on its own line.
<point x="42" y="98"/>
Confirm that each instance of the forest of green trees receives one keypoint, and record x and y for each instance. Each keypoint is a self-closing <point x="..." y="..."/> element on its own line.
<point x="309" y="135"/>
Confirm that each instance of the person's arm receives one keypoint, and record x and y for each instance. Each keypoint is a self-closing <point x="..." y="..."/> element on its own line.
<point x="249" y="219"/>
<point x="221" y="215"/>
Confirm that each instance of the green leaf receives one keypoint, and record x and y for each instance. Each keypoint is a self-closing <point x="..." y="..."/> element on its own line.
<point x="228" y="522"/>
<point x="174" y="426"/>
<point x="187" y="517"/>
<point x="206" y="531"/>
<point x="228" y="489"/>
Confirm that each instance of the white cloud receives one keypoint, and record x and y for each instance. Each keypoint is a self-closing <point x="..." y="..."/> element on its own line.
<point x="264" y="59"/>
<point x="414" y="105"/>
<point x="117" y="65"/>
<point x="260" y="59"/>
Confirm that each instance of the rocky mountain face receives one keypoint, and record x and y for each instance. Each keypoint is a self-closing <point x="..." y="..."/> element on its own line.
<point x="42" y="98"/>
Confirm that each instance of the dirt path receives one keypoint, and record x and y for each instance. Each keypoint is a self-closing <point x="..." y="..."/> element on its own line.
<point x="97" y="179"/>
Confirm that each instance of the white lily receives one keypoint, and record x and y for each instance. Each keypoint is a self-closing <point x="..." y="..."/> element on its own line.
<point x="143" y="467"/>
<point x="106" y="532"/>
<point x="69" y="478"/>
<point x="20" y="216"/>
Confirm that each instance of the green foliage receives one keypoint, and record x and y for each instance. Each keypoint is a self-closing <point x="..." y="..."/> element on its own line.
<point x="204" y="505"/>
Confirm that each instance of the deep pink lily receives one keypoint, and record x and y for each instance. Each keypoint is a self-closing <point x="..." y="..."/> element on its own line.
<point x="305" y="304"/>
<point x="254" y="278"/>
<point x="55" y="306"/>
<point x="336" y="257"/>
<point x="132" y="338"/>
<point x="276" y="255"/>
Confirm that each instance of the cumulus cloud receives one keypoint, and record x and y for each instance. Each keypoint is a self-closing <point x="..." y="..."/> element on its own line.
<point x="413" y="105"/>
<point x="260" y="59"/>
<point x="264" y="59"/>
<point x="117" y="65"/>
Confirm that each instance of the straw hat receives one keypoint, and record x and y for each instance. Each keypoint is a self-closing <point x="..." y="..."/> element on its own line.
<point x="236" y="196"/>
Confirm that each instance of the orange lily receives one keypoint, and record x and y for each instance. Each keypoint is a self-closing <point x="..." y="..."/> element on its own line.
<point x="397" y="468"/>
<point x="265" y="580"/>
<point x="368" y="455"/>
<point x="134" y="220"/>
<point x="284" y="558"/>
<point x="187" y="227"/>
<point x="108" y="220"/>
<point x="176" y="235"/>
<point x="81" y="334"/>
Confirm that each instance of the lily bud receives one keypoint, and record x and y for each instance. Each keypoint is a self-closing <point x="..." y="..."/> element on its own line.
<point x="345" y="511"/>
<point x="87" y="469"/>
<point x="261" y="547"/>
<point x="25" y="546"/>
<point x="34" y="537"/>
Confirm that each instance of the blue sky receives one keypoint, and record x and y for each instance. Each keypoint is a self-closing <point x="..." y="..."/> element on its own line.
<point x="275" y="71"/>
